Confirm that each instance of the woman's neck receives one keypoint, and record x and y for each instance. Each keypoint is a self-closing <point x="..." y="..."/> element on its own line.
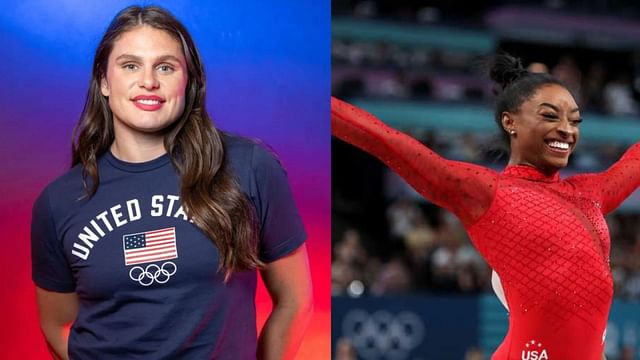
<point x="137" y="150"/>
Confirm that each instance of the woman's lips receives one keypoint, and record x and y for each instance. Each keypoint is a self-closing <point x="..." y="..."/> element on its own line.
<point x="148" y="102"/>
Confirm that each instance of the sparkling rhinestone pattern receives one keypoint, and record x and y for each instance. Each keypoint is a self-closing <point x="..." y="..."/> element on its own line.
<point x="545" y="237"/>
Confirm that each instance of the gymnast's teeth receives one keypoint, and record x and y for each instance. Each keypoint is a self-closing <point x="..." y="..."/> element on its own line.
<point x="559" y="145"/>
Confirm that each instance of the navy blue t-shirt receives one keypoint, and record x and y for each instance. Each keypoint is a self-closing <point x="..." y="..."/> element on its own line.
<point x="145" y="275"/>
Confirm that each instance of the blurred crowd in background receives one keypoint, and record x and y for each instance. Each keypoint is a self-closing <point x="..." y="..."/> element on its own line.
<point x="605" y="78"/>
<point x="384" y="70"/>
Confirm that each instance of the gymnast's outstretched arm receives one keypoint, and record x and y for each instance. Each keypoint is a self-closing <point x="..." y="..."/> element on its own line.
<point x="620" y="180"/>
<point x="612" y="186"/>
<point x="463" y="188"/>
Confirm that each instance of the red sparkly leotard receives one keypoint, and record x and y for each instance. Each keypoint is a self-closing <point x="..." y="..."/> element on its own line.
<point x="545" y="237"/>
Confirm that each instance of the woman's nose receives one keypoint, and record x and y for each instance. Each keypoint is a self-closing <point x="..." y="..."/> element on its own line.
<point x="565" y="127"/>
<point x="148" y="79"/>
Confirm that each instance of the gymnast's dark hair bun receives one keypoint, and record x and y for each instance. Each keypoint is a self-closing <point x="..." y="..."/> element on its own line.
<point x="517" y="85"/>
<point x="505" y="69"/>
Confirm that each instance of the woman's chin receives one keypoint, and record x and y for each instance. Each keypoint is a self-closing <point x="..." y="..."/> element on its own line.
<point x="555" y="164"/>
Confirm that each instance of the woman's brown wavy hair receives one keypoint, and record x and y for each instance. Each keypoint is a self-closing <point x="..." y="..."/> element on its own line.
<point x="210" y="195"/>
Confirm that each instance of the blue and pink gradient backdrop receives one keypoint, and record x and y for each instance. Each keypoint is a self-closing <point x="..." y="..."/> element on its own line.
<point x="268" y="77"/>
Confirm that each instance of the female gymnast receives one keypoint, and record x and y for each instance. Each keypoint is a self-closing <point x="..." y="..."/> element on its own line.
<point x="544" y="236"/>
<point x="149" y="245"/>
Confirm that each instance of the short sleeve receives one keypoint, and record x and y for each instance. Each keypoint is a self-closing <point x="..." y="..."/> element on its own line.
<point x="281" y="228"/>
<point x="49" y="267"/>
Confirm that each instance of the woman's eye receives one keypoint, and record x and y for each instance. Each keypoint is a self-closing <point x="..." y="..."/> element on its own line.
<point x="165" y="68"/>
<point x="576" y="122"/>
<point x="550" y="116"/>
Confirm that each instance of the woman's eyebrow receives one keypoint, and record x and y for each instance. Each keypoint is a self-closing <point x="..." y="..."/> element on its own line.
<point x="168" y="57"/>
<point x="128" y="57"/>
<point x="139" y="59"/>
<point x="556" y="108"/>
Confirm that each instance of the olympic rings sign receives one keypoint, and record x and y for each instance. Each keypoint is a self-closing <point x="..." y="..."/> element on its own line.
<point x="383" y="334"/>
<point x="153" y="273"/>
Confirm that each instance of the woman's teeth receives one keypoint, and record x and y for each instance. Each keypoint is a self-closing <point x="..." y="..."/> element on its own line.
<point x="148" y="102"/>
<point x="559" y="145"/>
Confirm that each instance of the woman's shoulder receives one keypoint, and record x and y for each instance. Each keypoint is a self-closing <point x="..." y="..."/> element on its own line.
<point x="254" y="164"/>
<point x="69" y="180"/>
<point x="238" y="144"/>
<point x="63" y="190"/>
<point x="249" y="152"/>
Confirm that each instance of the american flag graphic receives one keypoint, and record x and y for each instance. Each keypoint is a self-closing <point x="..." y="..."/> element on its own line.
<point x="150" y="246"/>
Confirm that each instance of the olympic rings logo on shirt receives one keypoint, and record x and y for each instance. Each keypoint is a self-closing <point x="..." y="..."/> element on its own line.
<point x="383" y="334"/>
<point x="153" y="273"/>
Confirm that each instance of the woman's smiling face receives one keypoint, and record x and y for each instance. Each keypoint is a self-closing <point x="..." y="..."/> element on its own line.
<point x="546" y="129"/>
<point x="145" y="81"/>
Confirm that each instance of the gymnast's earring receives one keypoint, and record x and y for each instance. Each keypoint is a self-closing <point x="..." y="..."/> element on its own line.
<point x="512" y="132"/>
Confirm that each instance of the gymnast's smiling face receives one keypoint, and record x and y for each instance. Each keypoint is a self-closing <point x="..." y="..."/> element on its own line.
<point x="544" y="130"/>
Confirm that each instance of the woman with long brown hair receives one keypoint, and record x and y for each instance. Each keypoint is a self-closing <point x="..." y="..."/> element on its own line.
<point x="149" y="245"/>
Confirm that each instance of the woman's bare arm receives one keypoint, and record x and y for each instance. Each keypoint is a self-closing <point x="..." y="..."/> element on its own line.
<point x="288" y="281"/>
<point x="56" y="312"/>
